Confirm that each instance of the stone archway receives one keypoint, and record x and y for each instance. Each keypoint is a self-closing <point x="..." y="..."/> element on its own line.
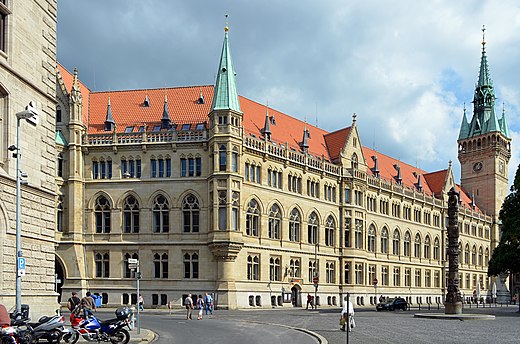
<point x="59" y="278"/>
<point x="296" y="295"/>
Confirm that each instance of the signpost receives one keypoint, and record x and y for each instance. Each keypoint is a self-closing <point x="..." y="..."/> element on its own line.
<point x="21" y="266"/>
<point x="133" y="264"/>
<point x="374" y="282"/>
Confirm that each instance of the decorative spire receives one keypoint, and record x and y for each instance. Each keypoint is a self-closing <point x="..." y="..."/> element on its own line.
<point x="225" y="95"/>
<point x="304" y="145"/>
<point x="419" y="183"/>
<point x="201" y="98"/>
<point x="146" y="102"/>
<point x="464" y="126"/>
<point x="109" y="121"/>
<point x="375" y="170"/>
<point x="354" y="119"/>
<point x="398" y="178"/>
<point x="75" y="92"/>
<point x="165" y="120"/>
<point x="267" y="125"/>
<point x="504" y="127"/>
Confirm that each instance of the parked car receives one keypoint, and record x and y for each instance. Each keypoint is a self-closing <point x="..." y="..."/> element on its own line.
<point x="393" y="304"/>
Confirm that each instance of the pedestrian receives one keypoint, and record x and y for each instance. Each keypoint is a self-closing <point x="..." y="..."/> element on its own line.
<point x="73" y="301"/>
<point x="347" y="315"/>
<point x="309" y="300"/>
<point x="140" y="302"/>
<point x="188" y="302"/>
<point x="381" y="299"/>
<point x="208" y="302"/>
<point x="200" y="306"/>
<point x="88" y="305"/>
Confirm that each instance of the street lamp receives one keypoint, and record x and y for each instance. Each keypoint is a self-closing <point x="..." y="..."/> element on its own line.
<point x="30" y="114"/>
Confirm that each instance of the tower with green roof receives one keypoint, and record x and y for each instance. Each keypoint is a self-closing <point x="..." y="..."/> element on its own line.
<point x="484" y="148"/>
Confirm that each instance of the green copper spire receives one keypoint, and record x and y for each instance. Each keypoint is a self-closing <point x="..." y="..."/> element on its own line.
<point x="225" y="95"/>
<point x="464" y="126"/>
<point x="504" y="127"/>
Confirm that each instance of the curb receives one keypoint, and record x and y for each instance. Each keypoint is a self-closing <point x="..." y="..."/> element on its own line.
<point x="319" y="338"/>
<point x="146" y="336"/>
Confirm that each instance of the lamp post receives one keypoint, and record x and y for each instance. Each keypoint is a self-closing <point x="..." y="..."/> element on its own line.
<point x="30" y="114"/>
<point x="316" y="273"/>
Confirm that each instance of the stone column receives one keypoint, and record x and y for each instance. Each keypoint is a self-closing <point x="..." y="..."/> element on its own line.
<point x="225" y="252"/>
<point x="453" y="304"/>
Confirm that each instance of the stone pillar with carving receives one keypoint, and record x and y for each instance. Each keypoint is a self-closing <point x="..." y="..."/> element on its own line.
<point x="226" y="252"/>
<point x="453" y="304"/>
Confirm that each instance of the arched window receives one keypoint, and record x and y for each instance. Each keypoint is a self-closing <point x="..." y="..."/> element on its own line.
<point x="396" y="243"/>
<point x="252" y="218"/>
<point x="407" y="244"/>
<point x="295" y="268"/>
<point x="312" y="229"/>
<point x="275" y="222"/>
<point x="330" y="230"/>
<point x="274" y="269"/>
<point x="160" y="265"/>
<point x="436" y="249"/>
<point x="190" y="212"/>
<point x="486" y="257"/>
<point x="131" y="215"/>
<point x="102" y="215"/>
<point x="466" y="254"/>
<point x="427" y="247"/>
<point x="59" y="215"/>
<point x="371" y="243"/>
<point x="222" y="158"/>
<point x="354" y="161"/>
<point x="384" y="240"/>
<point x="417" y="246"/>
<point x="253" y="268"/>
<point x="161" y="215"/>
<point x="330" y="272"/>
<point x="58" y="114"/>
<point x="191" y="265"/>
<point x="348" y="278"/>
<point x="102" y="262"/>
<point x="474" y="255"/>
<point x="480" y="257"/>
<point x="294" y="225"/>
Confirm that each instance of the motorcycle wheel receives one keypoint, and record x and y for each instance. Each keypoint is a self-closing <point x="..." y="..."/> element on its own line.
<point x="69" y="338"/>
<point x="54" y="337"/>
<point x="26" y="338"/>
<point x="120" y="336"/>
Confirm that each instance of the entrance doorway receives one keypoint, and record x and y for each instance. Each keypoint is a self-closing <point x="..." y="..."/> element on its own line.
<point x="296" y="296"/>
<point x="59" y="278"/>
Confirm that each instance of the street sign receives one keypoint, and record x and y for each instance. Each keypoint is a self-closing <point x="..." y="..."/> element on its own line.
<point x="375" y="281"/>
<point x="133" y="261"/>
<point x="21" y="266"/>
<point x="315" y="280"/>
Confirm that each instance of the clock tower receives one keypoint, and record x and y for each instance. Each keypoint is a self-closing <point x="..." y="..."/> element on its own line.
<point x="484" y="149"/>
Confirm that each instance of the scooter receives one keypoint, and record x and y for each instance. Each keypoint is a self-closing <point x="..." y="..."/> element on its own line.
<point x="93" y="330"/>
<point x="48" y="329"/>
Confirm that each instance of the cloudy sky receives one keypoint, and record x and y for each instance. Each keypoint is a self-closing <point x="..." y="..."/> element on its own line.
<point x="405" y="67"/>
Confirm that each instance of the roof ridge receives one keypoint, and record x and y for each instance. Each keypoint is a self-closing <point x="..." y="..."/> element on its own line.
<point x="150" y="89"/>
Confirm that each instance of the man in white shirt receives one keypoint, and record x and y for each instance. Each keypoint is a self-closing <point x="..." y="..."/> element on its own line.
<point x="348" y="308"/>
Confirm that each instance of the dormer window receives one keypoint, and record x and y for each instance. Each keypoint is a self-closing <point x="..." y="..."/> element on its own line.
<point x="156" y="128"/>
<point x="146" y="102"/>
<point x="272" y="120"/>
<point x="141" y="129"/>
<point x="129" y="129"/>
<point x="200" y="126"/>
<point x="201" y="99"/>
<point x="186" y="127"/>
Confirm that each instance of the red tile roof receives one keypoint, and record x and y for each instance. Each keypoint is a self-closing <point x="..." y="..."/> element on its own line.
<point x="335" y="142"/>
<point x="67" y="78"/>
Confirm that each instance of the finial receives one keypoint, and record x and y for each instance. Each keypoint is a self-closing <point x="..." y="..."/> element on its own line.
<point x="464" y="108"/>
<point x="449" y="163"/>
<point x="503" y="108"/>
<point x="226" y="28"/>
<point x="354" y="118"/>
<point x="483" y="38"/>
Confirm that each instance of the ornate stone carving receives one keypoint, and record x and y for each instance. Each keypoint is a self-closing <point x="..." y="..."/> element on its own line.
<point x="225" y="250"/>
<point x="453" y="303"/>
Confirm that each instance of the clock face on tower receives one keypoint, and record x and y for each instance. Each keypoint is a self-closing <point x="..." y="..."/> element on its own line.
<point x="477" y="166"/>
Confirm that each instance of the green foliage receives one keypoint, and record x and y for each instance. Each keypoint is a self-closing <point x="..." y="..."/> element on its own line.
<point x="506" y="256"/>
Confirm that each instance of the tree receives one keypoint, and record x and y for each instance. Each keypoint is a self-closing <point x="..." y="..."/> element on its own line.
<point x="506" y="256"/>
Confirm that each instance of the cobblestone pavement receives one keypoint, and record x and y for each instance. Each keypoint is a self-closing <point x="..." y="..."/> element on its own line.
<point x="393" y="327"/>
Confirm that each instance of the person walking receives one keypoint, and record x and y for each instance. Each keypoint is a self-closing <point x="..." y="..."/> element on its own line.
<point x="188" y="302"/>
<point x="140" y="302"/>
<point x="88" y="305"/>
<point x="200" y="306"/>
<point x="73" y="301"/>
<point x="347" y="315"/>
<point x="208" y="303"/>
<point x="309" y="300"/>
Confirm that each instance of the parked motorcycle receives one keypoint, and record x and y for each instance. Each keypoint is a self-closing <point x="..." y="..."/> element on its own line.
<point x="48" y="329"/>
<point x="18" y="332"/>
<point x="93" y="330"/>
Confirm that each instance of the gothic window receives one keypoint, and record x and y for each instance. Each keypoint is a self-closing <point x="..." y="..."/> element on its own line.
<point x="330" y="272"/>
<point x="160" y="265"/>
<point x="59" y="215"/>
<point x="371" y="239"/>
<point x="384" y="240"/>
<point x="312" y="270"/>
<point x="275" y="269"/>
<point x="131" y="215"/>
<point x="222" y="213"/>
<point x="128" y="273"/>
<point x="396" y="243"/>
<point x="354" y="161"/>
<point x="407" y="244"/>
<point x="102" y="215"/>
<point x="312" y="229"/>
<point x="131" y="168"/>
<point x="4" y="12"/>
<point x="222" y="158"/>
<point x="330" y="231"/>
<point x="235" y="204"/>
<point x="347" y="232"/>
<point x="474" y="255"/>
<point x="347" y="273"/>
<point x="427" y="247"/>
<point x="191" y="167"/>
<point x="359" y="233"/>
<point x="295" y="267"/>
<point x="397" y="276"/>
<point x="275" y="220"/>
<point x="191" y="265"/>
<point x="417" y="246"/>
<point x="161" y="215"/>
<point x="480" y="257"/>
<point x="252" y="218"/>
<point x="234" y="159"/>
<point x="466" y="254"/>
<point x="190" y="214"/>
<point x="59" y="167"/>
<point x="359" y="273"/>
<point x="294" y="225"/>
<point x="253" y="268"/>
<point x="486" y="257"/>
<point x="102" y="262"/>
<point x="436" y="249"/>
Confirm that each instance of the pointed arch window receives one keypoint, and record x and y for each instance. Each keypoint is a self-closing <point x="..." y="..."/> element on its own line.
<point x="160" y="265"/>
<point x="354" y="160"/>
<point x="427" y="247"/>
<point x="252" y="218"/>
<point x="347" y="269"/>
<point x="466" y="254"/>
<point x="234" y="159"/>
<point x="191" y="265"/>
<point x="371" y="244"/>
<point x="407" y="244"/>
<point x="436" y="249"/>
<point x="222" y="158"/>
<point x="294" y="225"/>
<point x="486" y="257"/>
<point x="396" y="243"/>
<point x="59" y="166"/>
<point x="102" y="215"/>
<point x="330" y="272"/>
<point x="312" y="229"/>
<point x="474" y="255"/>
<point x="275" y="222"/>
<point x="161" y="215"/>
<point x="102" y="262"/>
<point x="384" y="240"/>
<point x="330" y="231"/>
<point x="190" y="212"/>
<point x="275" y="269"/>
<point x="131" y="215"/>
<point x="59" y="215"/>
<point x="253" y="267"/>
<point x="480" y="257"/>
<point x="128" y="273"/>
<point x="295" y="268"/>
<point x="417" y="246"/>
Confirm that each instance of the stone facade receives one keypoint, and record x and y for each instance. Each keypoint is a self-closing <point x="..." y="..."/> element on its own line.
<point x="243" y="215"/>
<point x="27" y="73"/>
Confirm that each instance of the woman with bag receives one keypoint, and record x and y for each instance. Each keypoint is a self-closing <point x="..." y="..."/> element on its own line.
<point x="200" y="306"/>
<point x="347" y="313"/>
